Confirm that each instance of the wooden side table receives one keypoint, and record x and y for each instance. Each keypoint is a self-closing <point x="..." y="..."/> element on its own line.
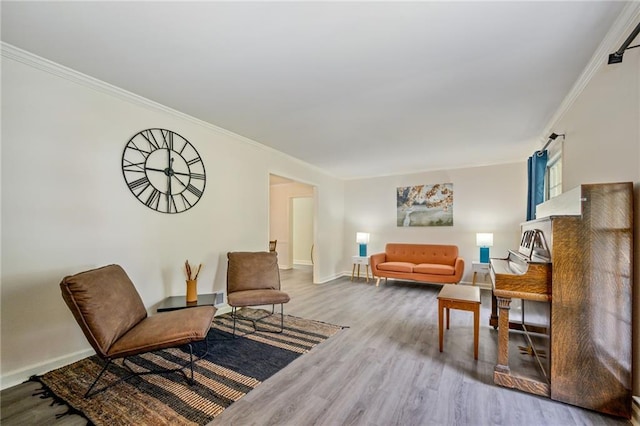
<point x="173" y="303"/>
<point x="357" y="261"/>
<point x="476" y="267"/>
<point x="465" y="298"/>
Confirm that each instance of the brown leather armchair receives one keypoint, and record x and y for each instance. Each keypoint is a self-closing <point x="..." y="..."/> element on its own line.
<point x="253" y="279"/>
<point x="114" y="320"/>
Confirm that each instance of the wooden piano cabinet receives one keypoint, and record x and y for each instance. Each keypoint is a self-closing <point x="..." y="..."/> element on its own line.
<point x="591" y="305"/>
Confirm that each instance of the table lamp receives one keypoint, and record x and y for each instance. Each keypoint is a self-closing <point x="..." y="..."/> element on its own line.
<point x="362" y="238"/>
<point x="484" y="241"/>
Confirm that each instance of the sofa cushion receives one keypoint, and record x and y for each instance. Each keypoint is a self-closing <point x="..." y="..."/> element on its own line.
<point x="434" y="269"/>
<point x="396" y="266"/>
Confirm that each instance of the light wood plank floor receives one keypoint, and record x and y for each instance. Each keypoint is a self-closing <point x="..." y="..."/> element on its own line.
<point x="385" y="369"/>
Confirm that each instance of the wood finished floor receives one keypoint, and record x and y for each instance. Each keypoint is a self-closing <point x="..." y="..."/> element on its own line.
<point x="384" y="369"/>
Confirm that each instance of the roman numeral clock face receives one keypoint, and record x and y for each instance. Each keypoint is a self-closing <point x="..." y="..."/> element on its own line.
<point x="163" y="170"/>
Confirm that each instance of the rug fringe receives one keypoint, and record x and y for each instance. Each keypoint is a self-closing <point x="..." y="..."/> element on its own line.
<point x="45" y="392"/>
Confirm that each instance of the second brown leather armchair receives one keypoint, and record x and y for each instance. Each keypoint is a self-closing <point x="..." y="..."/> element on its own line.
<point x="253" y="279"/>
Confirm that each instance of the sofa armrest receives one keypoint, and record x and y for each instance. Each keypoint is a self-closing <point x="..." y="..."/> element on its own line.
<point x="376" y="259"/>
<point x="458" y="269"/>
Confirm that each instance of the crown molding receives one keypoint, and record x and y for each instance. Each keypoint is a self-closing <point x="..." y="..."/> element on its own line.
<point x="15" y="53"/>
<point x="622" y="27"/>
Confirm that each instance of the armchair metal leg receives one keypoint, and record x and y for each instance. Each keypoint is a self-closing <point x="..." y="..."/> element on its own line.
<point x="257" y="320"/>
<point x="191" y="361"/>
<point x="143" y="373"/>
<point x="281" y="318"/>
<point x="88" y="392"/>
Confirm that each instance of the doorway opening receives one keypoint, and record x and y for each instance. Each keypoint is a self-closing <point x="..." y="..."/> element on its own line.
<point x="292" y="219"/>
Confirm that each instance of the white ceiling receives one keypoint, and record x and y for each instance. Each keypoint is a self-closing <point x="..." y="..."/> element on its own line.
<point x="355" y="88"/>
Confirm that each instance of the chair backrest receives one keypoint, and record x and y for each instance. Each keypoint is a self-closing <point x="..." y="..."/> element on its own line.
<point x="272" y="245"/>
<point x="105" y="304"/>
<point x="421" y="253"/>
<point x="252" y="271"/>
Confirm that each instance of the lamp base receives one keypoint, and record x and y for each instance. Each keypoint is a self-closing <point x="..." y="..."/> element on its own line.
<point x="484" y="254"/>
<point x="363" y="250"/>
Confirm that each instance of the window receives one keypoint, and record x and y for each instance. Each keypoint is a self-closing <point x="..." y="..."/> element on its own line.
<point x="553" y="176"/>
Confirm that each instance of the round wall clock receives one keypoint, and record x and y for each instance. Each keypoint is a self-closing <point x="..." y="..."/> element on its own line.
<point x="163" y="170"/>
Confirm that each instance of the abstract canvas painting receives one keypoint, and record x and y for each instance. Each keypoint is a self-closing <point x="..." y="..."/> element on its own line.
<point x="425" y="205"/>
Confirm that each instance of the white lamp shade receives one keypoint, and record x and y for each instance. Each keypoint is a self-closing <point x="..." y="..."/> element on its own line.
<point x="484" y="240"/>
<point x="362" y="238"/>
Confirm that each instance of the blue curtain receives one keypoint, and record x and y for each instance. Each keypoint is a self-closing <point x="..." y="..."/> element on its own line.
<point x="537" y="166"/>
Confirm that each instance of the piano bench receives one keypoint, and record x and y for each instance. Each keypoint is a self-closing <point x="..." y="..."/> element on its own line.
<point x="462" y="297"/>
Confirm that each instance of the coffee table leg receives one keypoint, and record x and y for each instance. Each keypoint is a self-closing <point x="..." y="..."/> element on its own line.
<point x="448" y="317"/>
<point x="440" y="323"/>
<point x="476" y="330"/>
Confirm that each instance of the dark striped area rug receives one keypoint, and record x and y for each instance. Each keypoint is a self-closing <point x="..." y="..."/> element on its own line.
<point x="229" y="371"/>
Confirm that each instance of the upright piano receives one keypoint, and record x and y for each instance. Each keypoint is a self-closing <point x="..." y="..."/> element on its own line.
<point x="578" y="259"/>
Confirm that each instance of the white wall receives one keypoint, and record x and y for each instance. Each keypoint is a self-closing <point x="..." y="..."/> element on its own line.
<point x="302" y="230"/>
<point x="486" y="199"/>
<point x="66" y="208"/>
<point x="602" y="144"/>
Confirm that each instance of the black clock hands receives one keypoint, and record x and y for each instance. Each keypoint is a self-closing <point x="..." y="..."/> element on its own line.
<point x="169" y="172"/>
<point x="155" y="170"/>
<point x="169" y="159"/>
<point x="179" y="180"/>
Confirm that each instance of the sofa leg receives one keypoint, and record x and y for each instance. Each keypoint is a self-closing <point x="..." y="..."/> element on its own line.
<point x="377" y="281"/>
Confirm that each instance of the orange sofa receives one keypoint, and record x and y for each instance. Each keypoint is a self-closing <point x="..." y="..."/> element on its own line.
<point x="431" y="263"/>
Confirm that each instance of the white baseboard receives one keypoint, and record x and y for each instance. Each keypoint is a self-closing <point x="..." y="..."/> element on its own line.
<point x="302" y="262"/>
<point x="223" y="309"/>
<point x="483" y="286"/>
<point x="332" y="277"/>
<point x="20" y="376"/>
